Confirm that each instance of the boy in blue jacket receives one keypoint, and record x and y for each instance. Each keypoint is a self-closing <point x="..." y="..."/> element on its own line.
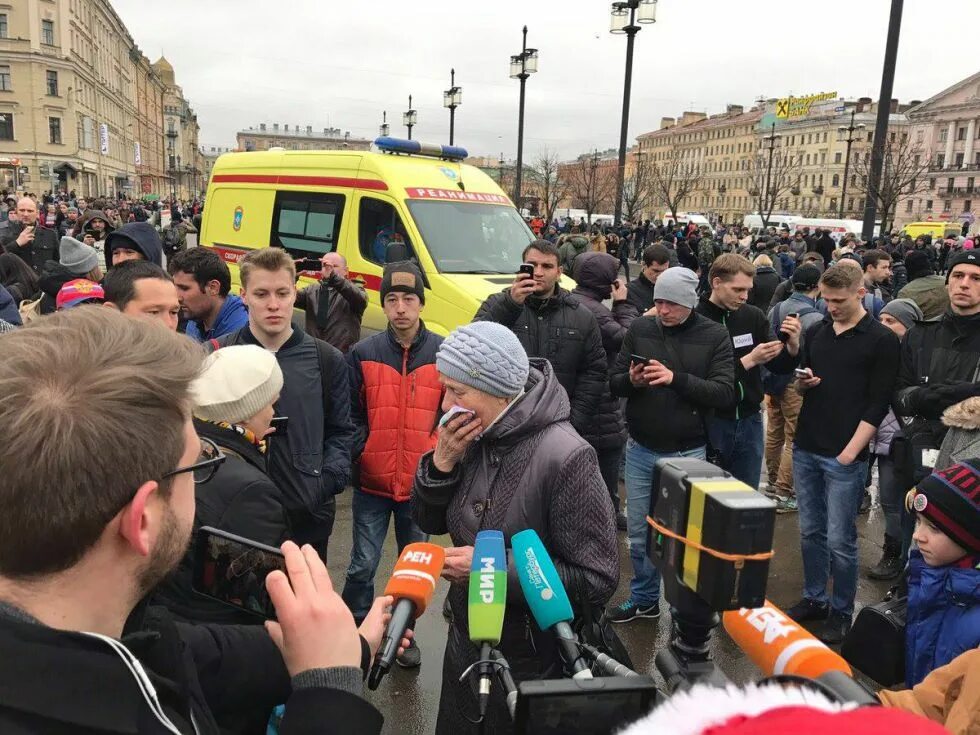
<point x="943" y="617"/>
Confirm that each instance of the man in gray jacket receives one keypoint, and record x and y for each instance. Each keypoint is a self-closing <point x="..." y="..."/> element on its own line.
<point x="335" y="306"/>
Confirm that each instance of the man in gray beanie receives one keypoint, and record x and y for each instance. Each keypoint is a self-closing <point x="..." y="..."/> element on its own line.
<point x="674" y="369"/>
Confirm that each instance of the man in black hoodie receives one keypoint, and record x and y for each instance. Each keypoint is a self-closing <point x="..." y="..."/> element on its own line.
<point x="135" y="241"/>
<point x="735" y="433"/>
<point x="86" y="533"/>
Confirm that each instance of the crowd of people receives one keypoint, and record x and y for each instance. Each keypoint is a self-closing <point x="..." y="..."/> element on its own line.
<point x="161" y="402"/>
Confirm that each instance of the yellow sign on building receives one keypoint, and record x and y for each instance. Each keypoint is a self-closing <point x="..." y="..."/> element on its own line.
<point x="789" y="107"/>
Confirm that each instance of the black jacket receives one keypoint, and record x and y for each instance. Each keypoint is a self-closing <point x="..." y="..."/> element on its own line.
<point x="640" y="293"/>
<point x="36" y="253"/>
<point x="593" y="273"/>
<point x="671" y="418"/>
<point x="563" y="332"/>
<point x="312" y="464"/>
<point x="764" y="285"/>
<point x="826" y="246"/>
<point x="58" y="682"/>
<point x="240" y="499"/>
<point x="334" y="310"/>
<point x="938" y="368"/>
<point x="748" y="328"/>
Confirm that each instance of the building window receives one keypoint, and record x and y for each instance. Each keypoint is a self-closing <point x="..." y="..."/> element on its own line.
<point x="966" y="205"/>
<point x="969" y="184"/>
<point x="833" y="204"/>
<point x="47" y="32"/>
<point x="949" y="184"/>
<point x="3" y="25"/>
<point x="959" y="160"/>
<point x="835" y="181"/>
<point x="825" y="136"/>
<point x="943" y="133"/>
<point x="932" y="184"/>
<point x="908" y="206"/>
<point x="940" y="159"/>
<point x="947" y="205"/>
<point x="838" y="157"/>
<point x="919" y="136"/>
<point x="870" y="137"/>
<point x="928" y="205"/>
<point x="850" y="203"/>
<point x="52" y="83"/>
<point x="6" y="126"/>
<point x="5" y="85"/>
<point x="961" y="134"/>
<point x="54" y="130"/>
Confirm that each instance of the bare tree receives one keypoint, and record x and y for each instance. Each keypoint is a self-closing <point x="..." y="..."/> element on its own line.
<point x="549" y="178"/>
<point x="637" y="188"/>
<point x="673" y="179"/>
<point x="771" y="177"/>
<point x="903" y="175"/>
<point x="590" y="184"/>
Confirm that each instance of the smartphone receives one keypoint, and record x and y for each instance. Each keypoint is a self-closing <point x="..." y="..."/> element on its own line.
<point x="453" y="412"/>
<point x="232" y="570"/>
<point x="781" y="335"/>
<point x="802" y="373"/>
<point x="638" y="360"/>
<point x="309" y="264"/>
<point x="279" y="424"/>
<point x="526" y="268"/>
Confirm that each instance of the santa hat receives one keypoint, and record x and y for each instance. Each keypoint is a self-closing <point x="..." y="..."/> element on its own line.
<point x="772" y="709"/>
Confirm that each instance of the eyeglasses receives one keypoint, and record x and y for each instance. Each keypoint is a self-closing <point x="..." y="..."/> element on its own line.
<point x="207" y="463"/>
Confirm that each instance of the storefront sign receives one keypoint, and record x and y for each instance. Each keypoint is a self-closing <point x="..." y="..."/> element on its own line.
<point x="789" y="107"/>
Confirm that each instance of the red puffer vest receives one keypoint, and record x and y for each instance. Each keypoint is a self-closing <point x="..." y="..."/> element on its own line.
<point x="400" y="399"/>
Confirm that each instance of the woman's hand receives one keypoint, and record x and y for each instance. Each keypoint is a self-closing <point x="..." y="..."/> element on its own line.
<point x="459" y="559"/>
<point x="454" y="439"/>
<point x="372" y="629"/>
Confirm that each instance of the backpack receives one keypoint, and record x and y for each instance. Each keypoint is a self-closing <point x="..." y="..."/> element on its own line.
<point x="773" y="384"/>
<point x="171" y="240"/>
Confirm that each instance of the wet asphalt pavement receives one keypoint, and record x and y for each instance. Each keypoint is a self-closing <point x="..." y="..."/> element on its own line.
<point x="409" y="699"/>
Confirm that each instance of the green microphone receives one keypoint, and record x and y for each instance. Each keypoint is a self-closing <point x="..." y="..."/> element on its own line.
<point x="488" y="598"/>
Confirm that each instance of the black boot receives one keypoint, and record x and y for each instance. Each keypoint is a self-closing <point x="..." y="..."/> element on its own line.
<point x="891" y="563"/>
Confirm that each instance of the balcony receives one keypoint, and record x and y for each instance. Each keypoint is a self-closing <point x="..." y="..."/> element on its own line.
<point x="818" y="190"/>
<point x="936" y="168"/>
<point x="956" y="191"/>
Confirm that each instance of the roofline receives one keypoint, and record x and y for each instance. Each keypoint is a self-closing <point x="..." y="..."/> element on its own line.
<point x="962" y="83"/>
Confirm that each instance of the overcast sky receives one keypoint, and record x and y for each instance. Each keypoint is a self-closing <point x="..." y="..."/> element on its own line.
<point x="334" y="63"/>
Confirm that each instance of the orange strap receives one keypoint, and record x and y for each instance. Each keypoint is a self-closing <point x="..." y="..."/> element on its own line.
<point x="738" y="559"/>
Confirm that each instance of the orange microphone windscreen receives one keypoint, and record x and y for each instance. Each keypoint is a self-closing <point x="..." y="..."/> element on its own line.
<point x="415" y="575"/>
<point x="779" y="645"/>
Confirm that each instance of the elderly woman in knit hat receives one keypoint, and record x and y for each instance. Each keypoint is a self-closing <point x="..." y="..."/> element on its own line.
<point x="508" y="459"/>
<point x="233" y="399"/>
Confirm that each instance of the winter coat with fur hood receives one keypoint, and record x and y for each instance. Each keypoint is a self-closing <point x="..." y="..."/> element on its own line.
<point x="962" y="441"/>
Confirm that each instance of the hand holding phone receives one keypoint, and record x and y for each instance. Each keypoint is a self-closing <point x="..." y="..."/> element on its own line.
<point x="524" y="284"/>
<point x="802" y="373"/>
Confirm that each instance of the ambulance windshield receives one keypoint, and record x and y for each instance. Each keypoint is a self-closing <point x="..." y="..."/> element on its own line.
<point x="471" y="237"/>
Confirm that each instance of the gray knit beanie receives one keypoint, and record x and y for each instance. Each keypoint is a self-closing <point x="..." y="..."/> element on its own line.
<point x="905" y="310"/>
<point x="677" y="285"/>
<point x="77" y="257"/>
<point x="486" y="356"/>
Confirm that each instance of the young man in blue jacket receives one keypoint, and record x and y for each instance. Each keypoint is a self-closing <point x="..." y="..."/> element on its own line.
<point x="203" y="284"/>
<point x="944" y="571"/>
<point x="311" y="463"/>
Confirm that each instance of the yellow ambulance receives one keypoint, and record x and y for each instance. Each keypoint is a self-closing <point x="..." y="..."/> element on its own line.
<point x="403" y="197"/>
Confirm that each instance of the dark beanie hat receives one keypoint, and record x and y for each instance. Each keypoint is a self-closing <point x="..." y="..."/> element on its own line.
<point x="970" y="257"/>
<point x="917" y="264"/>
<point x="403" y="276"/>
<point x="806" y="277"/>
<point x="950" y="499"/>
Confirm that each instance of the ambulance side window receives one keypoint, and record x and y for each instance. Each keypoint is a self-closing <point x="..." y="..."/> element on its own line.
<point x="306" y="223"/>
<point x="379" y="225"/>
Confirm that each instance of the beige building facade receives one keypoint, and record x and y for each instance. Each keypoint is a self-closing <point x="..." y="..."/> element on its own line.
<point x="947" y="127"/>
<point x="81" y="109"/>
<point x="294" y="138"/>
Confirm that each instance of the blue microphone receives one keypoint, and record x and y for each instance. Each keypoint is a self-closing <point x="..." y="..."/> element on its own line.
<point x="545" y="595"/>
<point x="487" y="602"/>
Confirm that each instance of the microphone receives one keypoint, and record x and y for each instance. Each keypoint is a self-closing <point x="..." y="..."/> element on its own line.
<point x="503" y="671"/>
<point x="412" y="583"/>
<point x="488" y="597"/>
<point x="545" y="595"/>
<point x="778" y="645"/>
<point x="610" y="665"/>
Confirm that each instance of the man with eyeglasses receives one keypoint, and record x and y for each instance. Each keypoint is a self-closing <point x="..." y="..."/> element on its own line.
<point x="334" y="306"/>
<point x="89" y="531"/>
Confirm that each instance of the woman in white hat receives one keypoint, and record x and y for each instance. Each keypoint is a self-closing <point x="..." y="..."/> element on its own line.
<point x="233" y="411"/>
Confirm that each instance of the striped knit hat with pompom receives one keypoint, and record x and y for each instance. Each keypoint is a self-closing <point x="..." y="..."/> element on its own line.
<point x="486" y="356"/>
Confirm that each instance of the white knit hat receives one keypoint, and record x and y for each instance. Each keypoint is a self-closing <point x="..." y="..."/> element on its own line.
<point x="236" y="383"/>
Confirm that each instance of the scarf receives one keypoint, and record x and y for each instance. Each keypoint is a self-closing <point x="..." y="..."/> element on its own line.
<point x="243" y="432"/>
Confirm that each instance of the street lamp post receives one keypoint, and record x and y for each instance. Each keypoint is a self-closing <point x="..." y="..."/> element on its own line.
<point x="410" y="117"/>
<point x="451" y="99"/>
<point x="771" y="138"/>
<point x="385" y="129"/>
<point x="881" y="122"/>
<point x="521" y="67"/>
<point x="847" y="158"/>
<point x="624" y="19"/>
<point x="500" y="170"/>
<point x="171" y="142"/>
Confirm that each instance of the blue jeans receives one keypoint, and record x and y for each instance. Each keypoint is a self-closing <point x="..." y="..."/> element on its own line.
<point x="829" y="496"/>
<point x="640" y="463"/>
<point x="739" y="443"/>
<point x="371" y="513"/>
